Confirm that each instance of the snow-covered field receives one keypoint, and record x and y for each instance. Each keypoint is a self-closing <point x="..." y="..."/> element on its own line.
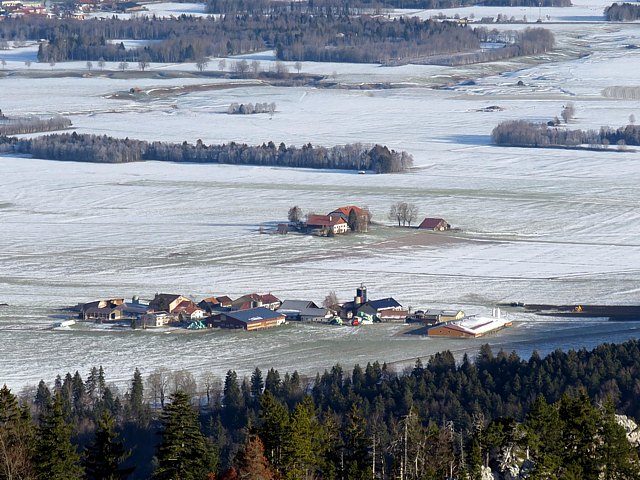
<point x="537" y="225"/>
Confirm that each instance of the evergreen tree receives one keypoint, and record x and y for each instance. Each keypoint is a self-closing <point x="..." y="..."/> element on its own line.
<point x="136" y="410"/>
<point x="357" y="465"/>
<point x="302" y="446"/>
<point x="16" y="438"/>
<point x="257" y="385"/>
<point x="273" y="428"/>
<point x="55" y="457"/>
<point x="42" y="399"/>
<point x="104" y="457"/>
<point x="184" y="453"/>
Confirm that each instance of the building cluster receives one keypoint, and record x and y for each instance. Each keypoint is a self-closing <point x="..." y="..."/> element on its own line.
<point x="17" y="8"/>
<point x="78" y="9"/>
<point x="248" y="312"/>
<point x="337" y="222"/>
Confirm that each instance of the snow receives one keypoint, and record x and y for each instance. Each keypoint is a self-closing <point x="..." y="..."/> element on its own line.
<point x="537" y="225"/>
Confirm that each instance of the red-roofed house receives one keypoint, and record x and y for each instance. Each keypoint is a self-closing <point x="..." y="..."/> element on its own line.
<point x="435" y="224"/>
<point x="326" y="224"/>
<point x="188" y="311"/>
<point x="254" y="300"/>
<point x="361" y="222"/>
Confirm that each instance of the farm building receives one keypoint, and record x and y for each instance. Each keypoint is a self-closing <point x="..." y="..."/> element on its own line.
<point x="165" y="302"/>
<point x="431" y="317"/>
<point x="254" y="300"/>
<point x="304" y="310"/>
<point x="385" y="309"/>
<point x="103" y="310"/>
<point x="469" y="327"/>
<point x="327" y="224"/>
<point x="435" y="224"/>
<point x="251" y="319"/>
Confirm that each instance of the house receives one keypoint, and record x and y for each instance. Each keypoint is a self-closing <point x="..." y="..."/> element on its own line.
<point x="251" y="319"/>
<point x="304" y="310"/>
<point x="188" y="311"/>
<point x="103" y="310"/>
<point x="165" y="302"/>
<point x="327" y="224"/>
<point x="156" y="319"/>
<point x="361" y="217"/>
<point x="254" y="300"/>
<point x="435" y="224"/>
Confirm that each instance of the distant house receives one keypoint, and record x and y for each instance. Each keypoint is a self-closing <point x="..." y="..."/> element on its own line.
<point x="165" y="302"/>
<point x="327" y="224"/>
<point x="103" y="310"/>
<point x="251" y="319"/>
<point x="304" y="310"/>
<point x="361" y="217"/>
<point x="435" y="224"/>
<point x="188" y="311"/>
<point x="156" y="319"/>
<point x="254" y="300"/>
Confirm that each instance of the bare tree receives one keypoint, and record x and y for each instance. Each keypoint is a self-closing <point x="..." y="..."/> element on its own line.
<point x="183" y="380"/>
<point x="211" y="387"/>
<point x="330" y="300"/>
<point x="222" y="64"/>
<point x="568" y="112"/>
<point x="143" y="63"/>
<point x="298" y="66"/>
<point x="201" y="63"/>
<point x="52" y="64"/>
<point x="412" y="213"/>
<point x="123" y="66"/>
<point x="255" y="67"/>
<point x="282" y="70"/>
<point x="396" y="212"/>
<point x="101" y="63"/>
<point x="241" y="67"/>
<point x="4" y="63"/>
<point x="89" y="65"/>
<point x="27" y="63"/>
<point x="158" y="385"/>
<point x="295" y="214"/>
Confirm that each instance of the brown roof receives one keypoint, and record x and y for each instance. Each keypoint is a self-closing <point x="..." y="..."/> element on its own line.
<point x="347" y="210"/>
<point x="324" y="220"/>
<point x="432" y="222"/>
<point x="224" y="300"/>
<point x="269" y="298"/>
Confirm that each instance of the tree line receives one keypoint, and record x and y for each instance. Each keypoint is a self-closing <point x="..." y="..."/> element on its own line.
<point x="104" y="149"/>
<point x="356" y="7"/>
<point x="551" y="417"/>
<point x="295" y="36"/>
<point x="27" y="124"/>
<point x="250" y="108"/>
<point x="522" y="133"/>
<point x="622" y="12"/>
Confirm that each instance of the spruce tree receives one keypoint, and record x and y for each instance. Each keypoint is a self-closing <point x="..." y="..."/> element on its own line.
<point x="104" y="457"/>
<point x="16" y="438"/>
<point x="184" y="453"/>
<point x="55" y="457"/>
<point x="274" y="425"/>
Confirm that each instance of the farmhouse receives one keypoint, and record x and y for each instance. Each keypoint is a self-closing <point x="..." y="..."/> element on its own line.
<point x="435" y="224"/>
<point x="251" y="319"/>
<point x="165" y="302"/>
<point x="327" y="224"/>
<point x="357" y="218"/>
<point x="188" y="311"/>
<point x="254" y="300"/>
<point x="155" y="319"/>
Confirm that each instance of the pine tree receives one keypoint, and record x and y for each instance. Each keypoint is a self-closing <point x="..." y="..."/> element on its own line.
<point x="104" y="457"/>
<point x="184" y="453"/>
<point x="303" y="452"/>
<point x="16" y="438"/>
<point x="43" y="398"/>
<point x="274" y="425"/>
<point x="356" y="452"/>
<point x="55" y="457"/>
<point x="253" y="465"/>
<point x="257" y="385"/>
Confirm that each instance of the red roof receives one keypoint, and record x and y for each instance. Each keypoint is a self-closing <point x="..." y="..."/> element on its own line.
<point x="324" y="220"/>
<point x="347" y="210"/>
<point x="269" y="298"/>
<point x="432" y="222"/>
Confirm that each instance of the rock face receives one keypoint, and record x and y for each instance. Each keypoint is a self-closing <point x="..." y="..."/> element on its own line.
<point x="631" y="428"/>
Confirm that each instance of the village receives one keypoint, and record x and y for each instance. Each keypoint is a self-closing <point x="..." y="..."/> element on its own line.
<point x="256" y="311"/>
<point x="77" y="9"/>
